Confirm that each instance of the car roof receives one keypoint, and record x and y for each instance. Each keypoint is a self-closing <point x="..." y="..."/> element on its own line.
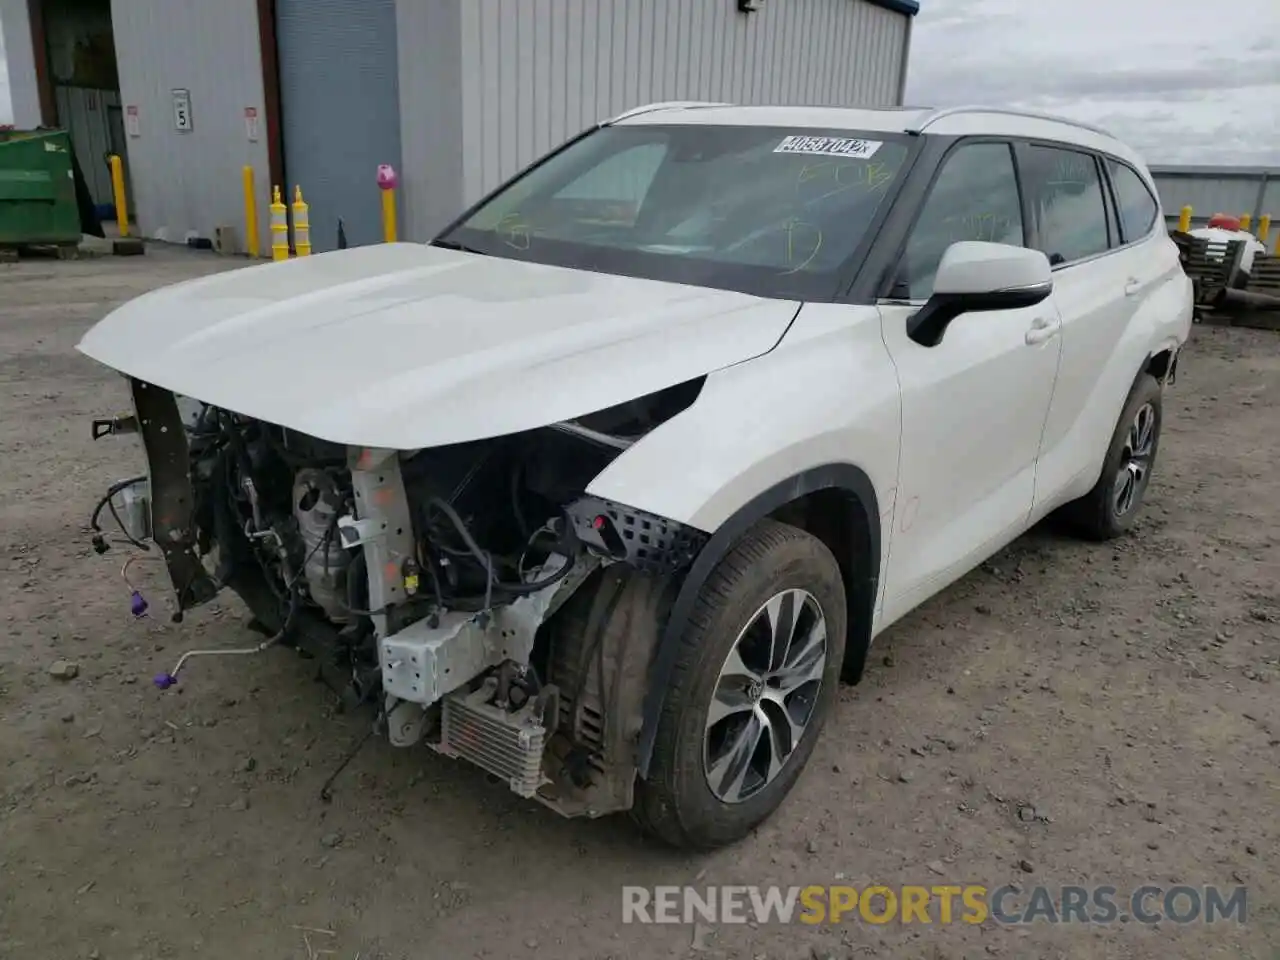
<point x="947" y="121"/>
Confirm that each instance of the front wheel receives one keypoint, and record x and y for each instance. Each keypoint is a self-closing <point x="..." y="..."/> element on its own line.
<point x="1110" y="508"/>
<point x="755" y="679"/>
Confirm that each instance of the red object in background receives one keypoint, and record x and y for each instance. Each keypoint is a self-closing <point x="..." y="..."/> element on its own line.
<point x="1224" y="221"/>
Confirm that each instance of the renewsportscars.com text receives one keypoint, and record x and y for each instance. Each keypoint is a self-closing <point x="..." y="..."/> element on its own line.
<point x="936" y="904"/>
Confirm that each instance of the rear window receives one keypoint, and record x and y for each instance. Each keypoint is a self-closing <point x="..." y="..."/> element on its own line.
<point x="1138" y="208"/>
<point x="1068" y="204"/>
<point x="765" y="210"/>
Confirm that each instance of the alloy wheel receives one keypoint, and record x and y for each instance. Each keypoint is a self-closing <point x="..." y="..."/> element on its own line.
<point x="1135" y="461"/>
<point x="765" y="695"/>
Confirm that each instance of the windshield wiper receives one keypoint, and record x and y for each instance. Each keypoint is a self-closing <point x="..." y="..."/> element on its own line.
<point x="455" y="245"/>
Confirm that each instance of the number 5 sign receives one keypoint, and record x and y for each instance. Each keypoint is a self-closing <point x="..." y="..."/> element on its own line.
<point x="182" y="110"/>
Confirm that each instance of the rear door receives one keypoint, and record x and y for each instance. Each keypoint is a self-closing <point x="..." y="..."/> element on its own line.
<point x="974" y="405"/>
<point x="1074" y="225"/>
<point x="1149" y="257"/>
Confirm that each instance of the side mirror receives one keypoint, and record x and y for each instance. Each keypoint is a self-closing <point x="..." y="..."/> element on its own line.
<point x="980" y="276"/>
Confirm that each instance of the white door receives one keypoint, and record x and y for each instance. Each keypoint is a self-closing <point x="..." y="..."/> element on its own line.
<point x="1098" y="282"/>
<point x="974" y="405"/>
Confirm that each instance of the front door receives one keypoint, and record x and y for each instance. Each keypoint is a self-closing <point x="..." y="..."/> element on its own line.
<point x="974" y="405"/>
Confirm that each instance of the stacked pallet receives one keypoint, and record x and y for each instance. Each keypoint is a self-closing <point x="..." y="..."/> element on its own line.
<point x="1213" y="266"/>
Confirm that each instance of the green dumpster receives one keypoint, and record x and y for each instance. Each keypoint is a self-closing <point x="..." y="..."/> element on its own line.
<point x="37" y="189"/>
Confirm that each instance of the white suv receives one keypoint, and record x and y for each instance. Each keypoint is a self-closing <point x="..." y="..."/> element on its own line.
<point x="607" y="487"/>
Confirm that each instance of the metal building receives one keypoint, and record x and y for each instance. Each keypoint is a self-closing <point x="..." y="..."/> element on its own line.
<point x="456" y="94"/>
<point x="1208" y="190"/>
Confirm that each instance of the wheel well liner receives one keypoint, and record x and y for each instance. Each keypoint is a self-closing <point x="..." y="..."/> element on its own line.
<point x="1161" y="364"/>
<point x="818" y="486"/>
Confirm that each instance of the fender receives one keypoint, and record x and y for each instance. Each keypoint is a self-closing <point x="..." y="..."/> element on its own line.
<point x="861" y="599"/>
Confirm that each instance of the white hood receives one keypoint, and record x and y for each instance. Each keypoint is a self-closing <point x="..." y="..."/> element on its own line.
<point x="405" y="346"/>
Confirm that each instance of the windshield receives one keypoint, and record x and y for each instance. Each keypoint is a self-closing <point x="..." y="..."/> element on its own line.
<point x="765" y="210"/>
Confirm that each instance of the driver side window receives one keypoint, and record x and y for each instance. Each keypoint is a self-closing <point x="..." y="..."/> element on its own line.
<point x="974" y="197"/>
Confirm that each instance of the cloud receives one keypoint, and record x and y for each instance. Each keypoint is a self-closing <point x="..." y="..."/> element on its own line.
<point x="1183" y="81"/>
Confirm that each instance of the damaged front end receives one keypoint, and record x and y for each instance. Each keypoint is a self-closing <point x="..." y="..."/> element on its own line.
<point x="474" y="594"/>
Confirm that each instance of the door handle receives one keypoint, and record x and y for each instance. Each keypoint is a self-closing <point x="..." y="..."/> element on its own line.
<point x="1042" y="329"/>
<point x="1133" y="285"/>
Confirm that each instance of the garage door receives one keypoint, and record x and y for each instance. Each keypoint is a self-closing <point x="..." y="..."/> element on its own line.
<point x="340" y="110"/>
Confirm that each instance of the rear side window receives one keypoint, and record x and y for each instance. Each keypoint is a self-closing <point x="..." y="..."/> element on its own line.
<point x="1138" y="209"/>
<point x="975" y="197"/>
<point x="1069" y="208"/>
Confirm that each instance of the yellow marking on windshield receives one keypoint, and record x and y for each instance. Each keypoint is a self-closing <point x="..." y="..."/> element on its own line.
<point x="846" y="176"/>
<point x="790" y="228"/>
<point x="515" y="232"/>
<point x="979" y="226"/>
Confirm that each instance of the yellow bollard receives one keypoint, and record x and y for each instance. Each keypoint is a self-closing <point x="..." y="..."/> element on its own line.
<point x="387" y="182"/>
<point x="279" y="227"/>
<point x="117" y="189"/>
<point x="250" y="214"/>
<point x="389" y="215"/>
<point x="1245" y="220"/>
<point x="1184" y="220"/>
<point x="1264" y="229"/>
<point x="301" y="224"/>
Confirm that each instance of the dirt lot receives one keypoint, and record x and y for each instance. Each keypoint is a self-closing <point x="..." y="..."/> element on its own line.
<point x="1129" y="693"/>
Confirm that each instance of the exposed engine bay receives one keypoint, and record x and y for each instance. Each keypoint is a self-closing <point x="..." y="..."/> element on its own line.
<point x="473" y="596"/>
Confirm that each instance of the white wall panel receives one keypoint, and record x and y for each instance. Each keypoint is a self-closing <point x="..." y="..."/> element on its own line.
<point x="190" y="182"/>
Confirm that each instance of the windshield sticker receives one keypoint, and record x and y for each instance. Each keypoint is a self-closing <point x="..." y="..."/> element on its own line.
<point x="829" y="147"/>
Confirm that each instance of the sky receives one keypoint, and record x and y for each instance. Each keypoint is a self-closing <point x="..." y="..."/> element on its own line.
<point x="1183" y="81"/>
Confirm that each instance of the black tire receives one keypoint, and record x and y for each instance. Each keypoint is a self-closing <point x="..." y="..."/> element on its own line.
<point x="676" y="802"/>
<point x="1096" y="515"/>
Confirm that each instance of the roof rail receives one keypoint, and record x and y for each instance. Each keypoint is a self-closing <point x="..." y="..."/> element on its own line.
<point x="665" y="105"/>
<point x="935" y="115"/>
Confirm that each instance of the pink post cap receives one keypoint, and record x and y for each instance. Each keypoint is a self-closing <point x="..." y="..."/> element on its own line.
<point x="386" y="176"/>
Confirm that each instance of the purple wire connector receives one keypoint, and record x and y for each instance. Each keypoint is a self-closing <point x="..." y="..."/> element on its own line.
<point x="164" y="680"/>
<point x="137" y="604"/>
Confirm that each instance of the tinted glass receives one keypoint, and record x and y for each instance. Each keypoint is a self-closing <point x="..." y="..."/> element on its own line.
<point x="975" y="197"/>
<point x="1138" y="209"/>
<point x="1068" y="203"/>
<point x="777" y="212"/>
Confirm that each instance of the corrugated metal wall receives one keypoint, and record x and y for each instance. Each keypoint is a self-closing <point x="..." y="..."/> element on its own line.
<point x="190" y="182"/>
<point x="533" y="73"/>
<point x="88" y="114"/>
<point x="429" y="49"/>
<point x="1271" y="196"/>
<point x="1210" y="190"/>
<point x="340" y="110"/>
<point x="536" y="72"/>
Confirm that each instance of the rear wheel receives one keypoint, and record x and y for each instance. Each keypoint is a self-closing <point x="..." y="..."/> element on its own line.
<point x="1110" y="508"/>
<point x="755" y="678"/>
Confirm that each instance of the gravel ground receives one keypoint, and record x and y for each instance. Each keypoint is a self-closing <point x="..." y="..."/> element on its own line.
<point x="1067" y="714"/>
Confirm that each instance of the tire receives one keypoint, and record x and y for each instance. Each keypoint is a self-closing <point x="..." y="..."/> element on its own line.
<point x="772" y="569"/>
<point x="1108" y="510"/>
